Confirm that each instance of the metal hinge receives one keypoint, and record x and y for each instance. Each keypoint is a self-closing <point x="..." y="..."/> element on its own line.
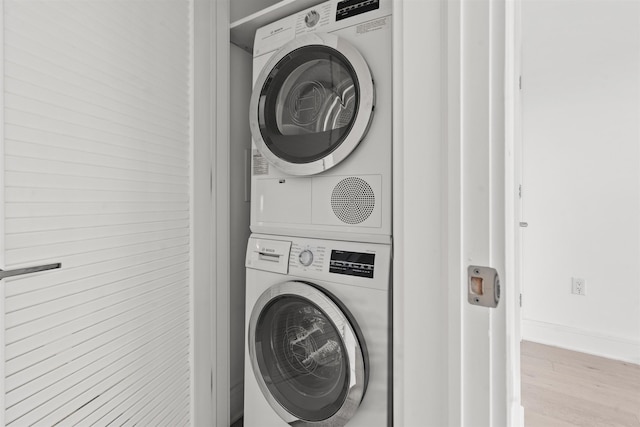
<point x="520" y="300"/>
<point x="520" y="82"/>
<point x="520" y="191"/>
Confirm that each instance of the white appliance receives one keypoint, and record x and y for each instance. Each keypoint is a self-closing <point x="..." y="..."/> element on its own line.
<point x="320" y="118"/>
<point x="317" y="316"/>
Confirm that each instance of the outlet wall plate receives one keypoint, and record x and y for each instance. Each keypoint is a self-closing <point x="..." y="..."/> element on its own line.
<point x="578" y="286"/>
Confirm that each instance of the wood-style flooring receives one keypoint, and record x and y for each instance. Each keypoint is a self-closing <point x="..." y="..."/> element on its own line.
<point x="562" y="388"/>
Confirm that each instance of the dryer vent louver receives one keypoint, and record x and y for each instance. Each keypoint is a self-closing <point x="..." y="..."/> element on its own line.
<point x="352" y="200"/>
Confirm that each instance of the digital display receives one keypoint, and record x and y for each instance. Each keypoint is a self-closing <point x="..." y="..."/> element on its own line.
<point x="352" y="263"/>
<point x="348" y="8"/>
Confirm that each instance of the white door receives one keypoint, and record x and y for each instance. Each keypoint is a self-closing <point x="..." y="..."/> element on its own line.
<point x="96" y="176"/>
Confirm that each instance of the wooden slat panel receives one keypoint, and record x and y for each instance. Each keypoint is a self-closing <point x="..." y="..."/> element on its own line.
<point x="79" y="343"/>
<point x="99" y="144"/>
<point x="20" y="337"/>
<point x="133" y="389"/>
<point x="66" y="397"/>
<point x="36" y="209"/>
<point x="49" y="151"/>
<point x="19" y="256"/>
<point x="20" y="385"/>
<point x="20" y="33"/>
<point x="21" y="64"/>
<point x="75" y="234"/>
<point x="23" y="225"/>
<point x="158" y="415"/>
<point x="92" y="264"/>
<point x="97" y="176"/>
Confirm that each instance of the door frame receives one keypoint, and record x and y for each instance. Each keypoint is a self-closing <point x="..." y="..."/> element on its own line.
<point x="211" y="216"/>
<point x="513" y="200"/>
<point x="428" y="283"/>
<point x="429" y="381"/>
<point x="2" y="221"/>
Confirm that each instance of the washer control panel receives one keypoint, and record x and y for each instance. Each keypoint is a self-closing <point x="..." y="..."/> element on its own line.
<point x="352" y="263"/>
<point x="307" y="257"/>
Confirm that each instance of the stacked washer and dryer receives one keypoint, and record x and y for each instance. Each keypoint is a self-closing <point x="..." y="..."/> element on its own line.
<point x="319" y="260"/>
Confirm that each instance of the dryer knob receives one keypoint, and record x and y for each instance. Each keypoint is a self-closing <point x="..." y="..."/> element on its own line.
<point x="306" y="257"/>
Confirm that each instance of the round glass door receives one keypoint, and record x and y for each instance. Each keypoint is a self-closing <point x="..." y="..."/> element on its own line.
<point x="312" y="104"/>
<point x="306" y="355"/>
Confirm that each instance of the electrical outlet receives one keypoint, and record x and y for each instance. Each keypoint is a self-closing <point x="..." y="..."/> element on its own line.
<point x="578" y="286"/>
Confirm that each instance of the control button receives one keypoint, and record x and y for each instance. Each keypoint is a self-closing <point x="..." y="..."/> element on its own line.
<point x="306" y="257"/>
<point x="312" y="18"/>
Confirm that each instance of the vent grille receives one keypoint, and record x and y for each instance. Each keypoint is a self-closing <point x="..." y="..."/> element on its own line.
<point x="352" y="200"/>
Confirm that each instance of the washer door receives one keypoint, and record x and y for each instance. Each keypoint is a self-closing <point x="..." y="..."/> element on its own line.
<point x="307" y="355"/>
<point x="312" y="104"/>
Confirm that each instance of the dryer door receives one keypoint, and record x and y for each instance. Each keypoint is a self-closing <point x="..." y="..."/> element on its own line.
<point x="307" y="354"/>
<point x="312" y="104"/>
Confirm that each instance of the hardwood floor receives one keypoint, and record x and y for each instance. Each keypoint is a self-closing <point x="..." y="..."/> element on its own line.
<point x="564" y="388"/>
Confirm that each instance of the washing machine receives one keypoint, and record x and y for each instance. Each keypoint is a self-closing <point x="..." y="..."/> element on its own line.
<point x="318" y="333"/>
<point x="320" y="119"/>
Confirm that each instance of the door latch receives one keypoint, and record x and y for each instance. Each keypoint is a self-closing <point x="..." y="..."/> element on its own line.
<point x="483" y="286"/>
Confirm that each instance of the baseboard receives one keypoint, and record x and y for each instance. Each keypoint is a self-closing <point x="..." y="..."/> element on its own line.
<point x="580" y="340"/>
<point x="236" y="402"/>
<point x="516" y="414"/>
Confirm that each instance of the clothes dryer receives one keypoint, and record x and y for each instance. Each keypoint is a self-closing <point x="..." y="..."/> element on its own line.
<point x="320" y="118"/>
<point x="317" y="316"/>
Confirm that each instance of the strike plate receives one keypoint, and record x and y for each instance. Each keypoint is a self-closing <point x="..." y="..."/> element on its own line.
<point x="483" y="286"/>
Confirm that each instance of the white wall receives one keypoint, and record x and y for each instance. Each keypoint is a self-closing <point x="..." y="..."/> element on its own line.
<point x="581" y="141"/>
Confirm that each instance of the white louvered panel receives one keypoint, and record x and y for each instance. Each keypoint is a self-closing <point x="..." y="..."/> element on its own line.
<point x="155" y="154"/>
<point x="97" y="177"/>
<point x="23" y="66"/>
<point x="35" y="209"/>
<point x="95" y="264"/>
<point x="64" y="398"/>
<point x="22" y="255"/>
<point x="81" y="345"/>
<point x="22" y="225"/>
<point x="42" y="35"/>
<point x="55" y="346"/>
<point x="86" y="364"/>
<point x="70" y="280"/>
<point x="134" y="392"/>
<point x="23" y="151"/>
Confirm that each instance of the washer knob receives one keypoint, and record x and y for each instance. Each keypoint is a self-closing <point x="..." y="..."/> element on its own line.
<point x="312" y="18"/>
<point x="306" y="257"/>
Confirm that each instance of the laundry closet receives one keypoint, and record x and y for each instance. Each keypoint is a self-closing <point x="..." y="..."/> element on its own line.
<point x="316" y="186"/>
